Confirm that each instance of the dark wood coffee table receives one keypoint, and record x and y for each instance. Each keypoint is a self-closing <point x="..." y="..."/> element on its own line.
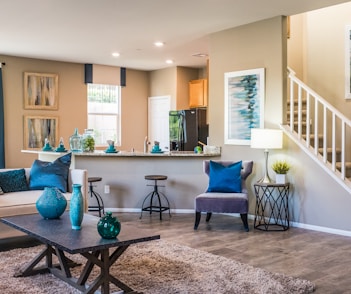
<point x="59" y="238"/>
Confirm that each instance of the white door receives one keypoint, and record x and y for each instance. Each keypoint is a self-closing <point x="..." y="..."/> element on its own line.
<point x="158" y="121"/>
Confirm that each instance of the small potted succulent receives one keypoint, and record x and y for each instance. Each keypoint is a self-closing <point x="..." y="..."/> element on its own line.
<point x="280" y="167"/>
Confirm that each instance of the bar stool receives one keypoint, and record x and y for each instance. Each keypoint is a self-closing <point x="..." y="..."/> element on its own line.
<point x="155" y="205"/>
<point x="100" y="204"/>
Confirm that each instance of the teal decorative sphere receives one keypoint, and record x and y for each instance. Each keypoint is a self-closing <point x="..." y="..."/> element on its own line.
<point x="51" y="204"/>
<point x="108" y="226"/>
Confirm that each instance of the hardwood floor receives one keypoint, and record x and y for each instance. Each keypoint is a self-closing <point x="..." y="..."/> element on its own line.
<point x="322" y="258"/>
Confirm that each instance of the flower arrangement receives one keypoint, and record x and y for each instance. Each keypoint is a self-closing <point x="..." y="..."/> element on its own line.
<point x="281" y="167"/>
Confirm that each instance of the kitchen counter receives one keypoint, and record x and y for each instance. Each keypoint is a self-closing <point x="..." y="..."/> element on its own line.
<point x="47" y="155"/>
<point x="124" y="172"/>
<point x="142" y="154"/>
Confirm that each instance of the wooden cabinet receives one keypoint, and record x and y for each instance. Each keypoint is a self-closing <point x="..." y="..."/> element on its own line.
<point x="198" y="93"/>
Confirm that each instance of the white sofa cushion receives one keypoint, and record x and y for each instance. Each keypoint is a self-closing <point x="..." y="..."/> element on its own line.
<point x="24" y="201"/>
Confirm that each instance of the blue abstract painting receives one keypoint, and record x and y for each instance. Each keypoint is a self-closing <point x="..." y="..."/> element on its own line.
<point x="244" y="103"/>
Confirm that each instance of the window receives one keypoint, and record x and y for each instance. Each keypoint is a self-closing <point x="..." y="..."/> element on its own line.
<point x="104" y="115"/>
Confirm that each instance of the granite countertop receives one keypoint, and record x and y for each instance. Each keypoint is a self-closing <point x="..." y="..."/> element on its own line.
<point x="102" y="153"/>
<point x="149" y="154"/>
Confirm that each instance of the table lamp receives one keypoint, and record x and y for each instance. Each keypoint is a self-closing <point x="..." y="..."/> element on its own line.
<point x="266" y="139"/>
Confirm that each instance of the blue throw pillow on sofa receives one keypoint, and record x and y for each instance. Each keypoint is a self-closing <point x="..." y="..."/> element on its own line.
<point x="13" y="181"/>
<point x="225" y="179"/>
<point x="50" y="174"/>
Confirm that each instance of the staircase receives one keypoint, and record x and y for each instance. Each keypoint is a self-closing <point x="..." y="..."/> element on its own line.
<point x="320" y="130"/>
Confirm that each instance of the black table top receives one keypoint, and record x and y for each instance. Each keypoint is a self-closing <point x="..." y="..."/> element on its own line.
<point x="58" y="232"/>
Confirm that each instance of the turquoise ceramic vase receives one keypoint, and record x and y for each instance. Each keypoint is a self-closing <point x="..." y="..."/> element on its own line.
<point x="76" y="212"/>
<point x="108" y="226"/>
<point x="51" y="204"/>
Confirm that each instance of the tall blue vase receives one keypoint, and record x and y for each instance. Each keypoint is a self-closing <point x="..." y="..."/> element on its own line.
<point x="76" y="207"/>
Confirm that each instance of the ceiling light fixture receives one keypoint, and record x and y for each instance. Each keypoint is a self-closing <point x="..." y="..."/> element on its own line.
<point x="159" y="44"/>
<point x="115" y="54"/>
<point x="169" y="61"/>
<point x="200" y="55"/>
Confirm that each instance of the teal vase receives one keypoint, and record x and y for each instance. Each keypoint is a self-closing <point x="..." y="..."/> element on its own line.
<point x="51" y="204"/>
<point x="108" y="226"/>
<point x="76" y="212"/>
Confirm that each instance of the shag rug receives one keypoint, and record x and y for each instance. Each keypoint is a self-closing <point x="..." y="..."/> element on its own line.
<point x="158" y="267"/>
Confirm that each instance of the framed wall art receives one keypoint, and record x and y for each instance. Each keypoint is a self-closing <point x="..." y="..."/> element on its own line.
<point x="348" y="62"/>
<point x="40" y="91"/>
<point x="244" y="104"/>
<point x="39" y="128"/>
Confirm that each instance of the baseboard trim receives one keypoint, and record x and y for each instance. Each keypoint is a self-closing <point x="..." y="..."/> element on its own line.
<point x="250" y="216"/>
<point x="321" y="229"/>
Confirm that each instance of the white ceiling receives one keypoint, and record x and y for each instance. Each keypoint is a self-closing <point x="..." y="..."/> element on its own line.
<point x="89" y="31"/>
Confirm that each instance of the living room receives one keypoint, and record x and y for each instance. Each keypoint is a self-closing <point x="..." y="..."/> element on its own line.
<point x="261" y="44"/>
<point x="311" y="205"/>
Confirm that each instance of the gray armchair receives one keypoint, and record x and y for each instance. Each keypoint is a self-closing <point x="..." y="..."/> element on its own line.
<point x="220" y="202"/>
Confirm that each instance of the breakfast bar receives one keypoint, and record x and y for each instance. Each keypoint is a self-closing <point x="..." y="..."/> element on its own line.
<point x="124" y="175"/>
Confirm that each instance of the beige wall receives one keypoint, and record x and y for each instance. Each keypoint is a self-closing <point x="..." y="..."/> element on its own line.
<point x="163" y="83"/>
<point x="173" y="81"/>
<point x="258" y="45"/>
<point x="106" y="75"/>
<point x="184" y="75"/>
<point x="134" y="110"/>
<point x="322" y="52"/>
<point x="296" y="44"/>
<point x="72" y="111"/>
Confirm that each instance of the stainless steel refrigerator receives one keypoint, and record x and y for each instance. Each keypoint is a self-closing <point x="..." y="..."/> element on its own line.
<point x="186" y="128"/>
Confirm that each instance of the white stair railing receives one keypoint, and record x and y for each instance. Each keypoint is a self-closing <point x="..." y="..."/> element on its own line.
<point x="311" y="116"/>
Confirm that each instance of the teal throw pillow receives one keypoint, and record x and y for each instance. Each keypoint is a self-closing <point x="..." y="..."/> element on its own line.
<point x="225" y="179"/>
<point x="13" y="181"/>
<point x="50" y="174"/>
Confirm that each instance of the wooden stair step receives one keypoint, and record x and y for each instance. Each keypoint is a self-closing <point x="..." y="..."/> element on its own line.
<point x="330" y="150"/>
<point x="347" y="165"/>
<point x="303" y="123"/>
<point x="312" y="136"/>
<point x="296" y="102"/>
<point x="296" y="112"/>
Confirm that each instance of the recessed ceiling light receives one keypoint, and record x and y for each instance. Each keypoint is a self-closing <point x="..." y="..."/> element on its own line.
<point x="115" y="54"/>
<point x="169" y="61"/>
<point x="159" y="44"/>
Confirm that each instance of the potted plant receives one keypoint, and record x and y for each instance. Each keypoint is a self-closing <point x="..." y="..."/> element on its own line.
<point x="280" y="167"/>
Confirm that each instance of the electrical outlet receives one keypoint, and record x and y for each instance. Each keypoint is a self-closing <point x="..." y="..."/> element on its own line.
<point x="107" y="189"/>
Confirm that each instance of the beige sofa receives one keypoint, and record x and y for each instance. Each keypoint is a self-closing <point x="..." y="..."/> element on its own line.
<point x="17" y="203"/>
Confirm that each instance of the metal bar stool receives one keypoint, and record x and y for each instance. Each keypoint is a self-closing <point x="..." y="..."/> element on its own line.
<point x="155" y="204"/>
<point x="100" y="204"/>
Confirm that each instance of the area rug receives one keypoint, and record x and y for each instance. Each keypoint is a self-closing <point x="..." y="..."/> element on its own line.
<point x="158" y="267"/>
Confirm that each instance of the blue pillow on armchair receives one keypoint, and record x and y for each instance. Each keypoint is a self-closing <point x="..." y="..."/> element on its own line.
<point x="224" y="179"/>
<point x="50" y="174"/>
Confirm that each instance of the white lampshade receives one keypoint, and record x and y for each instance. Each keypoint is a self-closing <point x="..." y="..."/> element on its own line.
<point x="266" y="139"/>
